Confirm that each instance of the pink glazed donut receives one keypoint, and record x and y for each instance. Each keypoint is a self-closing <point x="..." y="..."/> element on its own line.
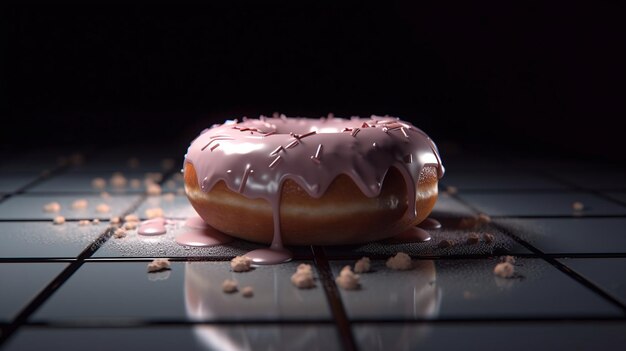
<point x="299" y="181"/>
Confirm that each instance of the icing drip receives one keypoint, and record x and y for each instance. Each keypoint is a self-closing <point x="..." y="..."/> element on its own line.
<point x="256" y="156"/>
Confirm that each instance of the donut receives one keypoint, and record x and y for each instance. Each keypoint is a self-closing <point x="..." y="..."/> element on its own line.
<point x="301" y="181"/>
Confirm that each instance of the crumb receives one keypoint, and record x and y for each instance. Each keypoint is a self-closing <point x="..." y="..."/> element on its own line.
<point x="578" y="206"/>
<point x="229" y="286"/>
<point x="103" y="208"/>
<point x="241" y="264"/>
<point x="131" y="225"/>
<point x="247" y="292"/>
<point x="133" y="162"/>
<point x="400" y="261"/>
<point x="98" y="183"/>
<point x="118" y="180"/>
<point x="504" y="270"/>
<point x="135" y="183"/>
<point x="119" y="233"/>
<point x="80" y="204"/>
<point x="153" y="189"/>
<point x="489" y="238"/>
<point x="169" y="197"/>
<point x="473" y="238"/>
<point x="105" y="195"/>
<point x="303" y="278"/>
<point x="154" y="212"/>
<point x="52" y="207"/>
<point x="170" y="184"/>
<point x="348" y="280"/>
<point x="114" y="220"/>
<point x="84" y="222"/>
<point x="167" y="164"/>
<point x="159" y="264"/>
<point x="362" y="265"/>
<point x="452" y="189"/>
<point x="131" y="218"/>
<point x="484" y="218"/>
<point x="95" y="221"/>
<point x="58" y="220"/>
<point x="444" y="244"/>
<point x="508" y="259"/>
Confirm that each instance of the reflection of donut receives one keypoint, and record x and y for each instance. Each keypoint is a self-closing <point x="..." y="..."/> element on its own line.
<point x="205" y="301"/>
<point x="304" y="181"/>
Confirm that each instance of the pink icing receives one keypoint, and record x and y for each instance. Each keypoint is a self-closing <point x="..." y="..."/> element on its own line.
<point x="200" y="234"/>
<point x="256" y="156"/>
<point x="155" y="226"/>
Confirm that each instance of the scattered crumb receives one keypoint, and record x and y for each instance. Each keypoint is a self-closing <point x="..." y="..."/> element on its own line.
<point x="58" y="220"/>
<point x="158" y="264"/>
<point x="229" y="286"/>
<point x="362" y="265"/>
<point x="105" y="195"/>
<point x="348" y="280"/>
<point x="169" y="197"/>
<point x="452" y="189"/>
<point x="170" y="184"/>
<point x="303" y="278"/>
<point x="489" y="238"/>
<point x="484" y="218"/>
<point x="504" y="270"/>
<point x="247" y="292"/>
<point x="508" y="259"/>
<point x="578" y="206"/>
<point x="444" y="243"/>
<point x="473" y="238"/>
<point x="131" y="218"/>
<point x="241" y="264"/>
<point x="133" y="162"/>
<point x="98" y="183"/>
<point x="153" y="189"/>
<point x="84" y="222"/>
<point x="118" y="180"/>
<point x="135" y="183"/>
<point x="154" y="212"/>
<point x="119" y="233"/>
<point x="401" y="261"/>
<point x="114" y="220"/>
<point x="103" y="208"/>
<point x="95" y="221"/>
<point x="52" y="207"/>
<point x="131" y="225"/>
<point x="80" y="204"/>
<point x="153" y="177"/>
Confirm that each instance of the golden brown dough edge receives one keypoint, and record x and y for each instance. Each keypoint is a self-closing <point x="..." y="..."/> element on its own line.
<point x="343" y="215"/>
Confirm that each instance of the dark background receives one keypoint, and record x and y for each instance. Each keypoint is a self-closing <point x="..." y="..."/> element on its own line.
<point x="521" y="77"/>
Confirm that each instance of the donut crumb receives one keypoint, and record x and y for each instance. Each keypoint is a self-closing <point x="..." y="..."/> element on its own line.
<point x="444" y="244"/>
<point x="135" y="183"/>
<point x="241" y="264"/>
<point x="98" y="183"/>
<point x="362" y="265"/>
<point x="504" y="270"/>
<point x="489" y="238"/>
<point x="159" y="264"/>
<point x="473" y="239"/>
<point x="401" y="261"/>
<point x="154" y="212"/>
<point x="80" y="204"/>
<point x="347" y="280"/>
<point x="131" y="225"/>
<point x="247" y="291"/>
<point x="52" y="207"/>
<point x="58" y="220"/>
<point x="303" y="278"/>
<point x="508" y="259"/>
<point x="118" y="180"/>
<point x="153" y="189"/>
<point x="114" y="220"/>
<point x="103" y="208"/>
<point x="119" y="233"/>
<point x="84" y="222"/>
<point x="229" y="286"/>
<point x="484" y="218"/>
<point x="578" y="206"/>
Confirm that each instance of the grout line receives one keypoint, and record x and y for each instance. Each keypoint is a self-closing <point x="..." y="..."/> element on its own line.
<point x="334" y="299"/>
<point x="555" y="263"/>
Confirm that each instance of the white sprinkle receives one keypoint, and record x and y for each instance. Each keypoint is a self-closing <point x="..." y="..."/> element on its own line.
<point x="362" y="265"/>
<point x="401" y="261"/>
<point x="58" y="220"/>
<point x="348" y="280"/>
<point x="241" y="264"/>
<point x="275" y="162"/>
<point x="159" y="264"/>
<point x="52" y="207"/>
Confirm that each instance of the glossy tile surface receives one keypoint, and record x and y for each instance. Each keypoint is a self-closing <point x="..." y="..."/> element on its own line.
<point x="607" y="273"/>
